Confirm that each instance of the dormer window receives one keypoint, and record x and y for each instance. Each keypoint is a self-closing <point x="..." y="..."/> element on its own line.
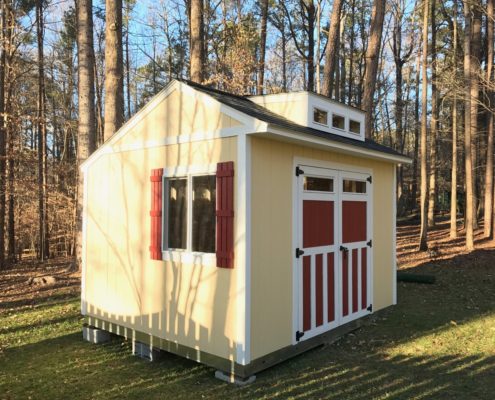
<point x="338" y="121"/>
<point x="320" y="116"/>
<point x="355" y="126"/>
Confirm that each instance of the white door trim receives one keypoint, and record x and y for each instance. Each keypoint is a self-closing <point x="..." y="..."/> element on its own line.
<point x="339" y="171"/>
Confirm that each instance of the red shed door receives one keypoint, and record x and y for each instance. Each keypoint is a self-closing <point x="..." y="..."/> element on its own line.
<point x="317" y="254"/>
<point x="333" y="253"/>
<point x="355" y="250"/>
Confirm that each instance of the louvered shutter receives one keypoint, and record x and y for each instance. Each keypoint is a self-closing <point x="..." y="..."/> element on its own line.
<point x="156" y="213"/>
<point x="225" y="215"/>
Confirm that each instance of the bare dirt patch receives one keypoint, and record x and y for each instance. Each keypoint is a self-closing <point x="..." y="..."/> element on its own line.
<point x="32" y="282"/>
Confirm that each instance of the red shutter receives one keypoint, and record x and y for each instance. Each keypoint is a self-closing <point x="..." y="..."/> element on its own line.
<point x="225" y="215"/>
<point x="156" y="213"/>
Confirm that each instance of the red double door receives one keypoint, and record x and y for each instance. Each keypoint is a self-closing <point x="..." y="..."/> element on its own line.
<point x="333" y="253"/>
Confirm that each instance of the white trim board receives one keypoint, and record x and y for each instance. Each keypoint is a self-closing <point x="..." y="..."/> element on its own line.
<point x="243" y="245"/>
<point x="394" y="239"/>
<point x="84" y="212"/>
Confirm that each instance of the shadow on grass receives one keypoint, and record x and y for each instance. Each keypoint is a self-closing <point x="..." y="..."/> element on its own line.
<point x="434" y="344"/>
<point x="66" y="367"/>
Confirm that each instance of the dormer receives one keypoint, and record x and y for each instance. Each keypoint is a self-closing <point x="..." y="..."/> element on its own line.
<point x="316" y="111"/>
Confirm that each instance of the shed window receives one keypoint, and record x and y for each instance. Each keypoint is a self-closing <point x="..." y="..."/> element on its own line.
<point x="177" y="214"/>
<point x="312" y="183"/>
<point x="320" y="116"/>
<point x="355" y="126"/>
<point x="353" y="186"/>
<point x="203" y="213"/>
<point x="338" y="121"/>
<point x="189" y="222"/>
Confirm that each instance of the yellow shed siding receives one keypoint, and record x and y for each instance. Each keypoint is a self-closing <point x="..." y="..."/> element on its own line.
<point x="191" y="304"/>
<point x="272" y="229"/>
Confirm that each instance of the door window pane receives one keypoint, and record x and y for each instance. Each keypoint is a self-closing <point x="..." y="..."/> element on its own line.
<point x="313" y="183"/>
<point x="203" y="213"/>
<point x="176" y="220"/>
<point x="352" y="186"/>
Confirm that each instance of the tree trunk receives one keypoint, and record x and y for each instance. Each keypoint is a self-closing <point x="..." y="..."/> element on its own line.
<point x="310" y="7"/>
<point x="434" y="120"/>
<point x="414" y="188"/>
<point x="468" y="220"/>
<point x="114" y="76"/>
<point x="453" y="180"/>
<point x="489" y="148"/>
<point x="332" y="49"/>
<point x="351" y="52"/>
<point x="261" y="63"/>
<point x="86" y="142"/>
<point x="423" y="237"/>
<point x="41" y="133"/>
<point x="3" y="135"/>
<point x="127" y="61"/>
<point x="475" y="70"/>
<point x="372" y="56"/>
<point x="196" y="41"/>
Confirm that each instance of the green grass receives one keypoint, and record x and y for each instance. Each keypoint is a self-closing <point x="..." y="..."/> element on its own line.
<point x="438" y="343"/>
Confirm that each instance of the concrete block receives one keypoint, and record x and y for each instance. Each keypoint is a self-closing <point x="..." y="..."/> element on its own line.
<point x="95" y="335"/>
<point x="146" y="351"/>
<point x="229" y="378"/>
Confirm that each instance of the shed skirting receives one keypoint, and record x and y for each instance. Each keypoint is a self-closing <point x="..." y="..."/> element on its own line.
<point x="230" y="367"/>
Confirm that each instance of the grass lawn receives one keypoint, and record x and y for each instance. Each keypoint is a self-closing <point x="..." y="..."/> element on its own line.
<point x="438" y="342"/>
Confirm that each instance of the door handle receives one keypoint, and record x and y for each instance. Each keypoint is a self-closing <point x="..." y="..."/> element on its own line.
<point x="344" y="249"/>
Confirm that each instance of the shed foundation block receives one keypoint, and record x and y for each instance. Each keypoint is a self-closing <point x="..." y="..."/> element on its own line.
<point x="146" y="351"/>
<point x="229" y="378"/>
<point x="95" y="335"/>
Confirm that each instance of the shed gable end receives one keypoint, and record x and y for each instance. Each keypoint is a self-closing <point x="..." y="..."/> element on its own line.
<point x="178" y="117"/>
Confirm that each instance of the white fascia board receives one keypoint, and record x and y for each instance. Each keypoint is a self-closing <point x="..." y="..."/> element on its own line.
<point x="276" y="132"/>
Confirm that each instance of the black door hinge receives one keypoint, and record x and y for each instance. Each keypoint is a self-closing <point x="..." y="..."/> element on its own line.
<point x="369" y="179"/>
<point x="344" y="249"/>
<point x="299" y="171"/>
<point x="299" y="252"/>
<point x="299" y="335"/>
<point x="369" y="243"/>
<point x="370" y="308"/>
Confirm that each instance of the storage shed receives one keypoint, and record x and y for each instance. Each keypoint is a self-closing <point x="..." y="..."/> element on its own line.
<point x="238" y="231"/>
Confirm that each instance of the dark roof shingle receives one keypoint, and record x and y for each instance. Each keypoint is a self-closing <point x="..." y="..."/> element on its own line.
<point x="246" y="106"/>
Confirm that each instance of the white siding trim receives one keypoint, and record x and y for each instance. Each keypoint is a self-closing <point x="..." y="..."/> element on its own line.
<point x="394" y="239"/>
<point x="84" y="305"/>
<point x="243" y="246"/>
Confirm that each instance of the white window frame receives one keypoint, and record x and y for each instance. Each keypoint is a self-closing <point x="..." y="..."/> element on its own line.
<point x="185" y="256"/>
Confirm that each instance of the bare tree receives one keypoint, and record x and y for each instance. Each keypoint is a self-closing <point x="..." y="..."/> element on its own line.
<point x="41" y="133"/>
<point x="261" y="67"/>
<point x="488" y="228"/>
<point x="434" y="119"/>
<point x="423" y="236"/>
<point x="114" y="75"/>
<point x="453" y="188"/>
<point x="332" y="49"/>
<point x="468" y="220"/>
<point x="372" y="56"/>
<point x="196" y="41"/>
<point x="86" y="142"/>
